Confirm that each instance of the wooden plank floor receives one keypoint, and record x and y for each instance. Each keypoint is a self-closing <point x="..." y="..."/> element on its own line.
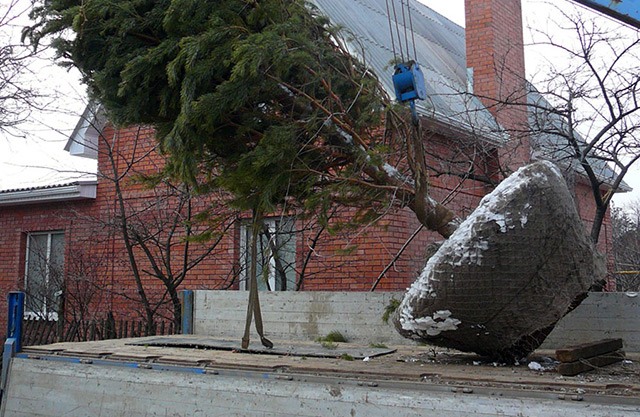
<point x="405" y="363"/>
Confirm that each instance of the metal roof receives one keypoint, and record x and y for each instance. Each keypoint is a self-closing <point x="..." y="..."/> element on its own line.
<point x="37" y="187"/>
<point x="440" y="51"/>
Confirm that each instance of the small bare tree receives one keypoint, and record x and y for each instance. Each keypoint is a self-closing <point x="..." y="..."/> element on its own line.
<point x="167" y="238"/>
<point x="164" y="227"/>
<point x="158" y="224"/>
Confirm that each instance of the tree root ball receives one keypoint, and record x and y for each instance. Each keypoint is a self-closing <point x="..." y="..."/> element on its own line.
<point x="508" y="272"/>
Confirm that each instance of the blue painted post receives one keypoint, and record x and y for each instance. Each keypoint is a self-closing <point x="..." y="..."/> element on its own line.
<point x="13" y="344"/>
<point x="14" y="318"/>
<point x="186" y="297"/>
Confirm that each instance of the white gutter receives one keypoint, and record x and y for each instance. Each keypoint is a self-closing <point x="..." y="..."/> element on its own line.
<point x="84" y="190"/>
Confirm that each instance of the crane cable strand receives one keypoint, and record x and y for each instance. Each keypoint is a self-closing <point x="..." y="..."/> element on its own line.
<point x="404" y="25"/>
<point x="407" y="27"/>
<point x="413" y="34"/>
<point x="393" y="43"/>
<point x="395" y="18"/>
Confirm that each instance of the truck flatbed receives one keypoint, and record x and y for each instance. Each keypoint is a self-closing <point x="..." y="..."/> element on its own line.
<point x="408" y="379"/>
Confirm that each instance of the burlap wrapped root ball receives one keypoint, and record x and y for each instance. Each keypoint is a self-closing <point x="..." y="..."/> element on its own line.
<point x="512" y="268"/>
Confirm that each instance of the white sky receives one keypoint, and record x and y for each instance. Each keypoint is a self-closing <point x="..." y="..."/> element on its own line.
<point x="34" y="155"/>
<point x="39" y="158"/>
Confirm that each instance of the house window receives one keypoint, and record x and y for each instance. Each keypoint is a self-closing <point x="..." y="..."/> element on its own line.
<point x="43" y="274"/>
<point x="276" y="255"/>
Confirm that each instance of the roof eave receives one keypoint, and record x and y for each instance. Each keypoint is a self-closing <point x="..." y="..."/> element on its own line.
<point x="606" y="185"/>
<point x="83" y="141"/>
<point x="85" y="190"/>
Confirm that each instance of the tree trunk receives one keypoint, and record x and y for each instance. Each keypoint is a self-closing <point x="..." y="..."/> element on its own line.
<point x="124" y="229"/>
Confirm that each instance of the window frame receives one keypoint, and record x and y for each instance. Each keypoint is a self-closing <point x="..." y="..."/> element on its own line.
<point x="272" y="224"/>
<point x="44" y="312"/>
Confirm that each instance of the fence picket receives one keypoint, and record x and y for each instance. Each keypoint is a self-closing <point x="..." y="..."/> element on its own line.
<point x="44" y="332"/>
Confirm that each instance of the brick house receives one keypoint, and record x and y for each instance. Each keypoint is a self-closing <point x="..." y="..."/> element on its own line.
<point x="63" y="244"/>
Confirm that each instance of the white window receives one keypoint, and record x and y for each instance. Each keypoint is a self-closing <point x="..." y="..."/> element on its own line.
<point x="276" y="255"/>
<point x="43" y="274"/>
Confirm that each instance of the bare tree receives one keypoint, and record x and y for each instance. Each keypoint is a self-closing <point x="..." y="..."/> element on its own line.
<point x="164" y="228"/>
<point x="585" y="113"/>
<point x="84" y="285"/>
<point x="17" y="96"/>
<point x="163" y="237"/>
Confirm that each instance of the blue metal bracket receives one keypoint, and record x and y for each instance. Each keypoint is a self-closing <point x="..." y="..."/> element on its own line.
<point x="408" y="83"/>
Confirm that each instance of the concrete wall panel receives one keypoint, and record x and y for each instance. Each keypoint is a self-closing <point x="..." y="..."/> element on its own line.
<point x="304" y="315"/>
<point x="358" y="316"/>
<point x="600" y="316"/>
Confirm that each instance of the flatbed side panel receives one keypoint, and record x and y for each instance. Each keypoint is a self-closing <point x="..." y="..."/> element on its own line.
<point x="55" y="388"/>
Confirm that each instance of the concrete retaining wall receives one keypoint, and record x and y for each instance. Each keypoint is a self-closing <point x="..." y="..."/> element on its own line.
<point x="358" y="316"/>
<point x="600" y="316"/>
<point x="298" y="315"/>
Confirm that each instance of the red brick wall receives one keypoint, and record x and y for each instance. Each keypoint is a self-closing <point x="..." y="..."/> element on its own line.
<point x="16" y="222"/>
<point x="96" y="248"/>
<point x="587" y="210"/>
<point x="94" y="245"/>
<point x="495" y="53"/>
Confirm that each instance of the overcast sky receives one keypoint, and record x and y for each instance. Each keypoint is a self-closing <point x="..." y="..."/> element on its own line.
<point x="34" y="155"/>
<point x="38" y="157"/>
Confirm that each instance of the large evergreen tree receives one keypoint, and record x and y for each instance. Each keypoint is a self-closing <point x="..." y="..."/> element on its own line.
<point x="259" y="97"/>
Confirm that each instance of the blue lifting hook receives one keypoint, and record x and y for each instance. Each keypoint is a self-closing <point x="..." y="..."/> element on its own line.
<point x="408" y="82"/>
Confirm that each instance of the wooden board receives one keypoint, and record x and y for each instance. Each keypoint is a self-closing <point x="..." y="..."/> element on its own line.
<point x="585" y="365"/>
<point x="317" y="350"/>
<point x="588" y="350"/>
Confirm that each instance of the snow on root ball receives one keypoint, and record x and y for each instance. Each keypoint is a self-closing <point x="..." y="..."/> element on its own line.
<point x="511" y="269"/>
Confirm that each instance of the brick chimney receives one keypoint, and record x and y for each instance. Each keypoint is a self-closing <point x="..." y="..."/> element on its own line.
<point x="495" y="57"/>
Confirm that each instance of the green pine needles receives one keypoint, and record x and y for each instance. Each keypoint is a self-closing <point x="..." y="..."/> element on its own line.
<point x="259" y="97"/>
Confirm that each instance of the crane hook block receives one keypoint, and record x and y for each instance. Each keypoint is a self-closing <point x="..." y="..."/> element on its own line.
<point x="408" y="81"/>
